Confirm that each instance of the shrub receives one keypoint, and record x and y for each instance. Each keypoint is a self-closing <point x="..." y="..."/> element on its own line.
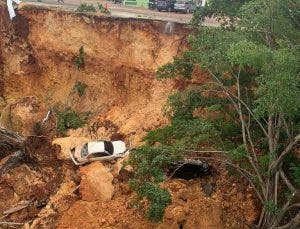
<point x="188" y="133"/>
<point x="102" y="9"/>
<point x="149" y="164"/>
<point x="79" y="88"/>
<point x="69" y="119"/>
<point x="84" y="7"/>
<point x="79" y="61"/>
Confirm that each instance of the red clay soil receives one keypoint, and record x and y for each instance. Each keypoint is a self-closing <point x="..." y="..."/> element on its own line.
<point x="230" y="206"/>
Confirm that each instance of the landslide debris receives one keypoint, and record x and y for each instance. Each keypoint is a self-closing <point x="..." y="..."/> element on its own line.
<point x="121" y="55"/>
<point x="96" y="182"/>
<point x="34" y="180"/>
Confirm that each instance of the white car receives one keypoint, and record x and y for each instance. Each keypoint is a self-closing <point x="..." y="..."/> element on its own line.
<point x="98" y="151"/>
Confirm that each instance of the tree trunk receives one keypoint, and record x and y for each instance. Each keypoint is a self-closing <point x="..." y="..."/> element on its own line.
<point x="10" y="142"/>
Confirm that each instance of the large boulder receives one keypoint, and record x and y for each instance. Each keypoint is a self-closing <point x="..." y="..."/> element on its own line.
<point x="96" y="182"/>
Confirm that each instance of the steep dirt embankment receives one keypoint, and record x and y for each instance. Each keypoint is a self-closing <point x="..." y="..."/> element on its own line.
<point x="120" y="57"/>
<point x="37" y="53"/>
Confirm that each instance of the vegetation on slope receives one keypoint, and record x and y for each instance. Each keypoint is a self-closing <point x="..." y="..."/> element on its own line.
<point x="253" y="61"/>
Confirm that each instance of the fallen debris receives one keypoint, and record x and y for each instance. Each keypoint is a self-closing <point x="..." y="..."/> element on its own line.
<point x="96" y="182"/>
<point x="10" y="223"/>
<point x="208" y="189"/>
<point x="17" y="208"/>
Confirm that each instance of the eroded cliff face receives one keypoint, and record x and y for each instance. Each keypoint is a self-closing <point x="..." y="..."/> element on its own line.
<point x="37" y="73"/>
<point x="121" y="56"/>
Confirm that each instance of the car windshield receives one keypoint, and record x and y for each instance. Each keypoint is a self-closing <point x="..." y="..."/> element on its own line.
<point x="108" y="146"/>
<point x="84" y="150"/>
<point x="100" y="154"/>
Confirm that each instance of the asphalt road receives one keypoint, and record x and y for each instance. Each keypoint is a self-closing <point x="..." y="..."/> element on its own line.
<point x="118" y="10"/>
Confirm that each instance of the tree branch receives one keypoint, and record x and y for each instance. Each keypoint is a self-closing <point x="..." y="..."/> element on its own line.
<point x="277" y="163"/>
<point x="10" y="142"/>
<point x="286" y="208"/>
<point x="288" y="133"/>
<point x="242" y="102"/>
<point x="287" y="181"/>
<point x="293" y="223"/>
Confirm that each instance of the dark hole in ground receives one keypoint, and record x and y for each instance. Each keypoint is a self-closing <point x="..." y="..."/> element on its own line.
<point x="189" y="169"/>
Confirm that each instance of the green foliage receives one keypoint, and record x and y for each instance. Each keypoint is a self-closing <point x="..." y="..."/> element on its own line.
<point x="271" y="21"/>
<point x="182" y="105"/>
<point x="263" y="162"/>
<point x="79" y="88"/>
<point x="257" y="49"/>
<point x="271" y="207"/>
<point x="184" y="67"/>
<point x="102" y="9"/>
<point x="188" y="133"/>
<point x="149" y="164"/>
<point x="239" y="153"/>
<point x="223" y="9"/>
<point x="68" y="119"/>
<point x="84" y="7"/>
<point x="281" y="69"/>
<point x="158" y="198"/>
<point x="79" y="61"/>
<point x="228" y="129"/>
<point x="180" y="108"/>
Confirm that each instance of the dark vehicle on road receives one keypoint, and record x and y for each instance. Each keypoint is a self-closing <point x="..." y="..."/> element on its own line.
<point x="165" y="5"/>
<point x="184" y="6"/>
<point x="152" y="4"/>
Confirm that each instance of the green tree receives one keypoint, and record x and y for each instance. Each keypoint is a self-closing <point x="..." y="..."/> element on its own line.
<point x="253" y="59"/>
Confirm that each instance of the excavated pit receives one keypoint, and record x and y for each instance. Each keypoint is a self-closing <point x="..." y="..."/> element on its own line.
<point x="124" y="101"/>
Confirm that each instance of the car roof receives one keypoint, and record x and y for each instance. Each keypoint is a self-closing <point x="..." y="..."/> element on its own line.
<point x="96" y="147"/>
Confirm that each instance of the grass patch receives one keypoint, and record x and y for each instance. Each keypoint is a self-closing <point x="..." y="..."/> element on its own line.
<point x="69" y="119"/>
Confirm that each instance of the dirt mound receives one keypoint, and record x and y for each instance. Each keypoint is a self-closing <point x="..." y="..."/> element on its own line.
<point x="190" y="208"/>
<point x="32" y="179"/>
